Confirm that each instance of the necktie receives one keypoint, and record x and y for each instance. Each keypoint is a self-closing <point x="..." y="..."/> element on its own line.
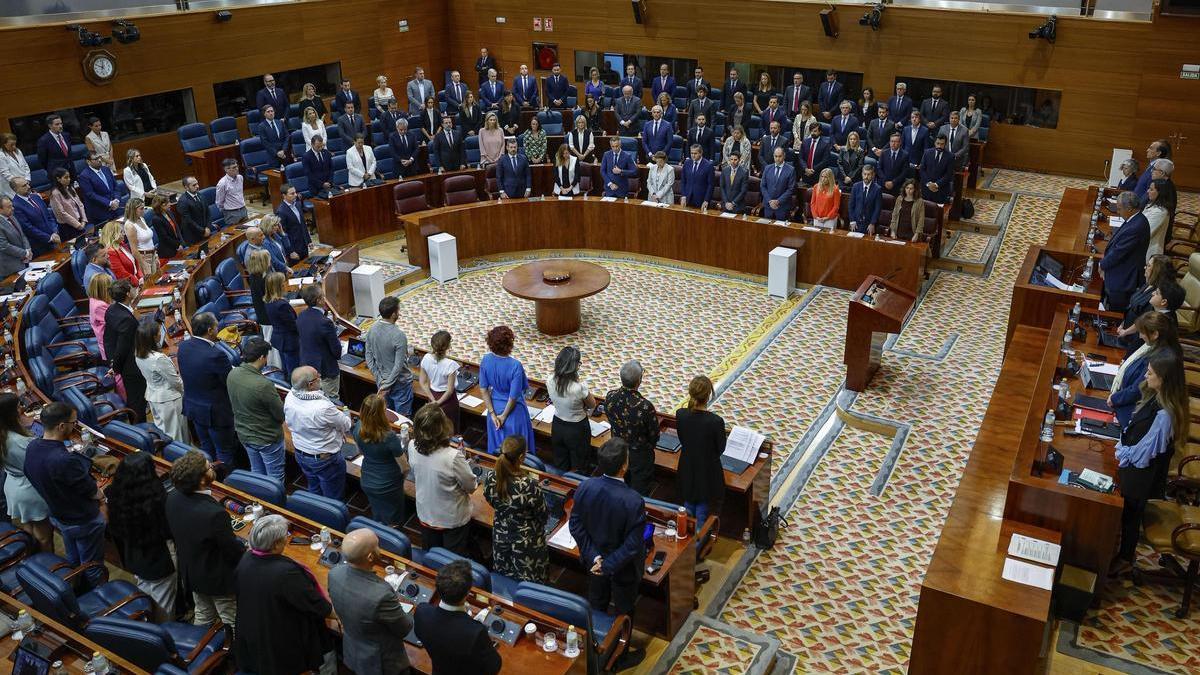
<point x="950" y="143"/>
<point x="796" y="100"/>
<point x="939" y="156"/>
<point x="655" y="127"/>
<point x="449" y="140"/>
<point x="732" y="172"/>
<point x="62" y="144"/>
<point x="893" y="155"/>
<point x="29" y="198"/>
<point x="778" y="170"/>
<point x="812" y="152"/>
<point x="513" y="159"/>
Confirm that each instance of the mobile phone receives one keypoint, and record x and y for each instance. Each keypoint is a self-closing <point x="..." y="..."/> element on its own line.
<point x="298" y="540"/>
<point x="239" y="525"/>
<point x="657" y="563"/>
<point x="1096" y="357"/>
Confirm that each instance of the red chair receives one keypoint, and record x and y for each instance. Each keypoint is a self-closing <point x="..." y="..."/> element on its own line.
<point x="460" y="190"/>
<point x="409" y="196"/>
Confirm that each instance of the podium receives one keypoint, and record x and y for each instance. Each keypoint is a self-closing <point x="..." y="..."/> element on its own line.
<point x="877" y="308"/>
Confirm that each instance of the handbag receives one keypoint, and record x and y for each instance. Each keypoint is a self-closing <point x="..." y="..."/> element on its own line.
<point x="766" y="528"/>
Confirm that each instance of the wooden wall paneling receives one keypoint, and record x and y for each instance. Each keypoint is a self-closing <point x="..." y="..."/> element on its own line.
<point x="1120" y="80"/>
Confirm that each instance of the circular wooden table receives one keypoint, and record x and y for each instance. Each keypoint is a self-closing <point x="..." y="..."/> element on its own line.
<point x="557" y="303"/>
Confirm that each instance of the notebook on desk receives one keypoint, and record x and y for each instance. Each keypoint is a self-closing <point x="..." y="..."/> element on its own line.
<point x="668" y="442"/>
<point x="1110" y="340"/>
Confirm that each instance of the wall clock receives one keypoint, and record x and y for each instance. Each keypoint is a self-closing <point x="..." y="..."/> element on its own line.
<point x="99" y="66"/>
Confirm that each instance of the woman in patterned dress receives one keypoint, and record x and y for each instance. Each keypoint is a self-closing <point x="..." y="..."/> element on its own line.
<point x="519" y="531"/>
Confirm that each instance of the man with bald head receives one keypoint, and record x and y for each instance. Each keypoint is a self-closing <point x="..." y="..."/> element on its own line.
<point x="373" y="622"/>
<point x="318" y="429"/>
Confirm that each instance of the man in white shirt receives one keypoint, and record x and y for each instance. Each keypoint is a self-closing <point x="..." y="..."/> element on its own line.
<point x="318" y="430"/>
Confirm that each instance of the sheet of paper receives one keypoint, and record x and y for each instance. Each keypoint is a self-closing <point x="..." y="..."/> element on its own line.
<point x="855" y="235"/>
<point x="765" y="221"/>
<point x="1053" y="281"/>
<point x="335" y="253"/>
<point x="1030" y="575"/>
<point x="647" y="202"/>
<point x="743" y="444"/>
<point x="1102" y="367"/>
<point x="562" y="537"/>
<point x="357" y="461"/>
<point x="301" y="281"/>
<point x="726" y="214"/>
<point x="608" y="199"/>
<point x="1115" y="221"/>
<point x="469" y="401"/>
<point x="546" y="415"/>
<point x="781" y="223"/>
<point x="563" y="198"/>
<point x="894" y="241"/>
<point x="1037" y="550"/>
<point x="598" y="428"/>
<point x="810" y="228"/>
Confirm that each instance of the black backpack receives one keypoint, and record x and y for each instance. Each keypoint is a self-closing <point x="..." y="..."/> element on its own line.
<point x="968" y="209"/>
<point x="766" y="528"/>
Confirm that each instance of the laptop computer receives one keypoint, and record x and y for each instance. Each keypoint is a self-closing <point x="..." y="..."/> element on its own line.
<point x="356" y="353"/>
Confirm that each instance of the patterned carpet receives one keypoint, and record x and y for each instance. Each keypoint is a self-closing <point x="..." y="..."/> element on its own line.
<point x="839" y="591"/>
<point x="391" y="270"/>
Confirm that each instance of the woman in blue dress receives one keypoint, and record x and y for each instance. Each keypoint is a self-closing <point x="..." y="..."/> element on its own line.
<point x="502" y="379"/>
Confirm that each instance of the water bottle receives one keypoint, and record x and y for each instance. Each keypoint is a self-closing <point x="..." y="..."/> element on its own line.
<point x="746" y="537"/>
<point x="175" y="296"/>
<point x="391" y="578"/>
<point x="21" y="387"/>
<point x="572" y="643"/>
<point x="326" y="536"/>
<point x="8" y="336"/>
<point x="1066" y="346"/>
<point x="1064" y="391"/>
<point x="177" y="317"/>
<point x="1086" y="277"/>
<point x="1048" y="426"/>
<point x="203" y="255"/>
<point x="23" y="625"/>
<point x="704" y="207"/>
<point x="57" y="668"/>
<point x="1075" y="311"/>
<point x="681" y="524"/>
<point x="99" y="663"/>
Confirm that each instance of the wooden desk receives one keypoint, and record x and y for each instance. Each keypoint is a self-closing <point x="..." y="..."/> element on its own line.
<point x="355" y="214"/>
<point x="1090" y="521"/>
<point x="969" y="619"/>
<point x="830" y="258"/>
<point x="1035" y="305"/>
<point x="73" y="649"/>
<point x="556" y="302"/>
<point x="1073" y="220"/>
<point x="868" y="324"/>
<point x="339" y="286"/>
<point x="206" y="164"/>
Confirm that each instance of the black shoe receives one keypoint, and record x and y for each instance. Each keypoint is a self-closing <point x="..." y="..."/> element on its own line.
<point x="630" y="659"/>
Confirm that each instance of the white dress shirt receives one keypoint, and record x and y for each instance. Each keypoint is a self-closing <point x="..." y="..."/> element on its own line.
<point x="318" y="426"/>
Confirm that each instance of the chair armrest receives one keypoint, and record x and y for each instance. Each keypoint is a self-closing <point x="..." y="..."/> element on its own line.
<point x="1178" y="533"/>
<point x="86" y="377"/>
<point x="616" y="643"/>
<point x="212" y="632"/>
<point x="118" y="412"/>
<point x="72" y="320"/>
<point x="212" y="664"/>
<point x="707" y="536"/>
<point x="82" y="569"/>
<point x="228" y="292"/>
<point x="136" y="595"/>
<point x="69" y="343"/>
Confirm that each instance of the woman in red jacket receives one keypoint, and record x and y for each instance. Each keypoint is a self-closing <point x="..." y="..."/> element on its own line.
<point x="120" y="259"/>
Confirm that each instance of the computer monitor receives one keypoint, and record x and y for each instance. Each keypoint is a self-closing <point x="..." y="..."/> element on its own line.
<point x="1050" y="266"/>
<point x="356" y="347"/>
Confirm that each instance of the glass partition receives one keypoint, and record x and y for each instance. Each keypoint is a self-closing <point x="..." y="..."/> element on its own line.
<point x="1002" y="104"/>
<point x="124" y="120"/>
<point x="235" y="97"/>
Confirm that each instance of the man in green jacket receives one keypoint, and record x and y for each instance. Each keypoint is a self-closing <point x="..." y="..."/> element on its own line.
<point x="257" y="410"/>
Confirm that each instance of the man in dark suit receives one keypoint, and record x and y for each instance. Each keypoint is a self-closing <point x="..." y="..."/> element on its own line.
<point x="664" y="82"/>
<point x="121" y="327"/>
<point x="937" y="173"/>
<point x="899" y="106"/>
<point x="617" y="168"/>
<point x="701" y="105"/>
<point x="556" y="88"/>
<point x="206" y="548"/>
<point x="733" y="86"/>
<point x="204" y="368"/>
<point x="935" y="111"/>
<point x="829" y="95"/>
<point x="768" y="143"/>
<point x="893" y="165"/>
<point x="456" y="643"/>
<point x="386" y="118"/>
<point x="98" y="187"/>
<point x="274" y="136"/>
<point x="456" y="94"/>
<point x="405" y="148"/>
<point x="346" y="95"/>
<point x="815" y="155"/>
<point x="33" y="215"/>
<point x="632" y="80"/>
<point x="697" y="181"/>
<point x="512" y="172"/>
<point x="319" y="345"/>
<point x="54" y="147"/>
<point x="608" y="523"/>
<point x="318" y="166"/>
<point x="697" y="83"/>
<point x="15" y="251"/>
<point x="879" y="130"/>
<point x="702" y="135"/>
<point x="483" y="64"/>
<point x="866" y="201"/>
<point x="491" y="92"/>
<point x="957" y="141"/>
<point x="1124" y="259"/>
<point x="351" y="124"/>
<point x="774" y="113"/>
<point x="291" y="216"/>
<point x="525" y="89"/>
<point x="273" y="96"/>
<point x="656" y="134"/>
<point x="734" y="179"/>
<point x="796" y="94"/>
<point x="447" y="145"/>
<point x="914" y="138"/>
<point x="778" y="183"/>
<point x="1159" y="149"/>
<point x="193" y="214"/>
<point x="629" y="111"/>
<point x="842" y="124"/>
<point x="373" y="622"/>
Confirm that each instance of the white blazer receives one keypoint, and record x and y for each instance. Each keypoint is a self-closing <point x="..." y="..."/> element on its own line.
<point x="661" y="182"/>
<point x="134" y="182"/>
<point x="1157" y="217"/>
<point x="162" y="379"/>
<point x="354" y="165"/>
<point x="309" y="132"/>
<point x="573" y="187"/>
<point x="11" y="167"/>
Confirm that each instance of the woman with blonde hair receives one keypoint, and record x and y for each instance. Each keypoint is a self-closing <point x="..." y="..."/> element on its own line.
<point x="312" y="126"/>
<point x="12" y="163"/>
<point x="491" y="140"/>
<point x="284" y="337"/>
<point x="701" y="442"/>
<point x="276" y="242"/>
<point x="519" y="530"/>
<point x="826" y="201"/>
<point x="137" y="175"/>
<point x="141" y="237"/>
<point x="383" y="93"/>
<point x="737" y="142"/>
<point x="800" y="125"/>
<point x="99" y="299"/>
<point x="121" y="260"/>
<point x="308" y="99"/>
<point x="258" y="266"/>
<point x="670" y="112"/>
<point x="850" y="160"/>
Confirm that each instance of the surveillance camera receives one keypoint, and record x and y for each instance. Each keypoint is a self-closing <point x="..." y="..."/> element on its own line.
<point x="1047" y="31"/>
<point x="873" y="17"/>
<point x="125" y="32"/>
<point x="224" y="15"/>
